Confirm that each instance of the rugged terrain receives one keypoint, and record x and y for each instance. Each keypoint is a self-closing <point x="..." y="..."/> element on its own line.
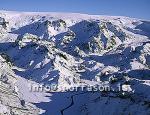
<point x="74" y="50"/>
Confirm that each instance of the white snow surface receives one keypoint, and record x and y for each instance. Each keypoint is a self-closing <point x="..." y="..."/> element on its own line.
<point x="74" y="50"/>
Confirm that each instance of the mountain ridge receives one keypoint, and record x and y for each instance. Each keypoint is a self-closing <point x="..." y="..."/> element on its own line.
<point x="75" y="51"/>
<point x="70" y="13"/>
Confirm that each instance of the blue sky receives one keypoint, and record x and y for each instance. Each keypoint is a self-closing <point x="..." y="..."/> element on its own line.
<point x="131" y="8"/>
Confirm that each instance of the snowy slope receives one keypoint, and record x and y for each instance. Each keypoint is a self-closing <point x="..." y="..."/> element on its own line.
<point x="75" y="50"/>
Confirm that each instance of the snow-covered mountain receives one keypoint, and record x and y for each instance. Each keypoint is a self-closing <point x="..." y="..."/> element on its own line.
<point x="74" y="50"/>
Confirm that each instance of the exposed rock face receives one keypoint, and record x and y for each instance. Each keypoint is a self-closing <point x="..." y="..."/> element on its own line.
<point x="10" y="102"/>
<point x="70" y="52"/>
<point x="3" y="22"/>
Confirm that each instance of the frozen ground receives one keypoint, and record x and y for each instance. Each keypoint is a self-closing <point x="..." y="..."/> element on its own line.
<point x="74" y="50"/>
